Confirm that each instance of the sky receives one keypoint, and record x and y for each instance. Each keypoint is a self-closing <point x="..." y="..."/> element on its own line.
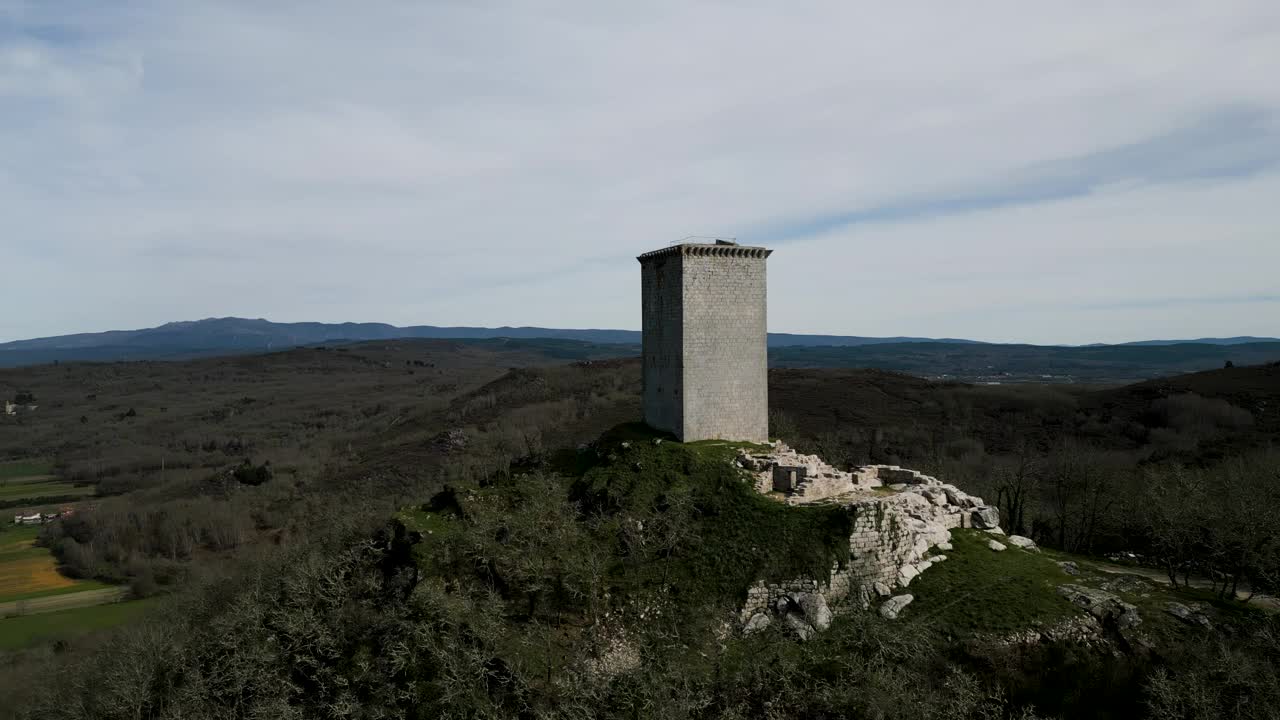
<point x="1049" y="172"/>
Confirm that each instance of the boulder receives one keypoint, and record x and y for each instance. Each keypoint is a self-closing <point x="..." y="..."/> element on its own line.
<point x="798" y="626"/>
<point x="1103" y="605"/>
<point x="921" y="545"/>
<point x="947" y="546"/>
<point x="881" y="589"/>
<point x="1069" y="567"/>
<point x="995" y="531"/>
<point x="1187" y="615"/>
<point x="890" y="608"/>
<point x="995" y="546"/>
<point x="758" y="622"/>
<point x="985" y="517"/>
<point x="906" y="574"/>
<point x="1025" y="543"/>
<point x="815" y="609"/>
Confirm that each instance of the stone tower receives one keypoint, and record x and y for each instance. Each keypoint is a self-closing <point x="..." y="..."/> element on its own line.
<point x="705" y="353"/>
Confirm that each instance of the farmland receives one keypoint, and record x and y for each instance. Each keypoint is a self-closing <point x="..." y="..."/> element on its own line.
<point x="29" y="576"/>
<point x="28" y="485"/>
<point x="30" y="630"/>
<point x="37" y="602"/>
<point x="23" y="469"/>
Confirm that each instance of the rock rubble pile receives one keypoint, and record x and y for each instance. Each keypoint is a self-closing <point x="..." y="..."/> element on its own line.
<point x="894" y="530"/>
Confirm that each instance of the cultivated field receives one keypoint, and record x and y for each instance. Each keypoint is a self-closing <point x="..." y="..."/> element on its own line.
<point x="30" y="581"/>
<point x="28" y="486"/>
<point x="20" y="632"/>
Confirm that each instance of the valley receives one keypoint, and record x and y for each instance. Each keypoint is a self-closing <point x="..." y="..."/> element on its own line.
<point x="188" y="479"/>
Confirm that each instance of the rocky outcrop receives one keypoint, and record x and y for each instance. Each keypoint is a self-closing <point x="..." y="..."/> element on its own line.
<point x="899" y="516"/>
<point x="892" y="534"/>
<point x="985" y="517"/>
<point x="1083" y="629"/>
<point x="1107" y="608"/>
<point x="1188" y="615"/>
<point x="804" y="613"/>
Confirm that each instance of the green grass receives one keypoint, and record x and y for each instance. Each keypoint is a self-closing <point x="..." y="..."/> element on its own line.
<point x="42" y="489"/>
<point x="10" y="534"/>
<point x="28" y="630"/>
<point x="978" y="591"/>
<point x="24" y="468"/>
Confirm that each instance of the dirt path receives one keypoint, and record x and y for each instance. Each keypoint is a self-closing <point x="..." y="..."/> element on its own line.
<point x="1261" y="600"/>
<point x="66" y="601"/>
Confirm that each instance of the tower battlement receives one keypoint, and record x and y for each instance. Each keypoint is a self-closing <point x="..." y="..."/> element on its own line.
<point x="704" y="341"/>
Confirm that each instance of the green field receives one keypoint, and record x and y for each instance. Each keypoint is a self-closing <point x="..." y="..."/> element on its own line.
<point x="34" y="480"/>
<point x="24" y="468"/>
<point x="41" y="488"/>
<point x="20" y="632"/>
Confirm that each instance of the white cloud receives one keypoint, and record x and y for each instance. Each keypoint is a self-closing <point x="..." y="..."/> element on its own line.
<point x="465" y="163"/>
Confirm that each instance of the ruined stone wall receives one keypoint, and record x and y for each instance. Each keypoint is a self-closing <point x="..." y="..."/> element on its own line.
<point x="662" y="303"/>
<point x="887" y="547"/>
<point x="893" y="535"/>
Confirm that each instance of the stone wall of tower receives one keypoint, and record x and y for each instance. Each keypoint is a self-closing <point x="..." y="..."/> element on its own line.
<point x="725" y="373"/>
<point x="662" y="300"/>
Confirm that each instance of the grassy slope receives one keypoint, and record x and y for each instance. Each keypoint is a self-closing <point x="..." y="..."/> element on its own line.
<point x="734" y="537"/>
<point x="977" y="591"/>
<point x="721" y="535"/>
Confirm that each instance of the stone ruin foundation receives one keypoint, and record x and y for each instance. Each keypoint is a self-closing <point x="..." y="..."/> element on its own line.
<point x="899" y="517"/>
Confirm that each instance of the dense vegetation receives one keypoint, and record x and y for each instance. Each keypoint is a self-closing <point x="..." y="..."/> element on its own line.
<point x="1182" y="471"/>
<point x="525" y="548"/>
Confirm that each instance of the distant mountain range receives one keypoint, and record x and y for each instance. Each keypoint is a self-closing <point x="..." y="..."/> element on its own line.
<point x="224" y="336"/>
<point x="1241" y="340"/>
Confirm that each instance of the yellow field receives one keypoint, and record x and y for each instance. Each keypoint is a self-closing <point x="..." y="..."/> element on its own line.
<point x="26" y="570"/>
<point x="30" y="575"/>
